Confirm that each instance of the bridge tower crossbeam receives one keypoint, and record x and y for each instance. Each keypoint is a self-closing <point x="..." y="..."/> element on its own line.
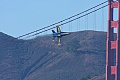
<point x="113" y="42"/>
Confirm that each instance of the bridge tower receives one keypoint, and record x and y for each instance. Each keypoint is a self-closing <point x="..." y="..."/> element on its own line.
<point x="113" y="42"/>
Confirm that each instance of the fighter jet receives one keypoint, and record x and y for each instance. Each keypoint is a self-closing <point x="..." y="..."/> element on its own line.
<point x="59" y="34"/>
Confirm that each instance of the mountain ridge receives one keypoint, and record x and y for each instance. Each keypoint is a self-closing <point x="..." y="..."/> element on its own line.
<point x="81" y="57"/>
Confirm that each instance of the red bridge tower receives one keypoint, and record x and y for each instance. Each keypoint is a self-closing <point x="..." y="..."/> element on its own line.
<point x="113" y="42"/>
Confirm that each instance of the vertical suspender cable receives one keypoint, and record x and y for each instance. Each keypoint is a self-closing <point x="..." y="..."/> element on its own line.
<point x="79" y="24"/>
<point x="79" y="27"/>
<point x="103" y="24"/>
<point x="46" y="37"/>
<point x="95" y="21"/>
<point x="86" y="22"/>
<point x="69" y="27"/>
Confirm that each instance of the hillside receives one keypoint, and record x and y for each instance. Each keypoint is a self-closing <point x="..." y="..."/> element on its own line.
<point x="80" y="57"/>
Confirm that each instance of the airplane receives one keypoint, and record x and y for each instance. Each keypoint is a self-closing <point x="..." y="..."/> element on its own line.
<point x="59" y="34"/>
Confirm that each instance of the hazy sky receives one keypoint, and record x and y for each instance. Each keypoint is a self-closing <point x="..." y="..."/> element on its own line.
<point x="18" y="17"/>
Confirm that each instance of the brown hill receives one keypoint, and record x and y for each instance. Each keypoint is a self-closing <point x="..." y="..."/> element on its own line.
<point x="81" y="57"/>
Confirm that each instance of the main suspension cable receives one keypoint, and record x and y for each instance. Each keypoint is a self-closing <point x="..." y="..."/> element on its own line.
<point x="36" y="31"/>
<point x="67" y="21"/>
<point x="61" y="20"/>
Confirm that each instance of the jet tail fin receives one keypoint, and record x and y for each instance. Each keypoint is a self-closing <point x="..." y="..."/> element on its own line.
<point x="59" y="41"/>
<point x="53" y="35"/>
<point x="53" y="31"/>
<point x="53" y="39"/>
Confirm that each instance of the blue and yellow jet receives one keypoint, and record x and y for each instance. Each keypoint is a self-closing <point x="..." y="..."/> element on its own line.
<point x="59" y="34"/>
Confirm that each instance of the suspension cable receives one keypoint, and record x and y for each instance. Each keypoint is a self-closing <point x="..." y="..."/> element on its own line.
<point x="61" y="20"/>
<point x="28" y="34"/>
<point x="68" y="21"/>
